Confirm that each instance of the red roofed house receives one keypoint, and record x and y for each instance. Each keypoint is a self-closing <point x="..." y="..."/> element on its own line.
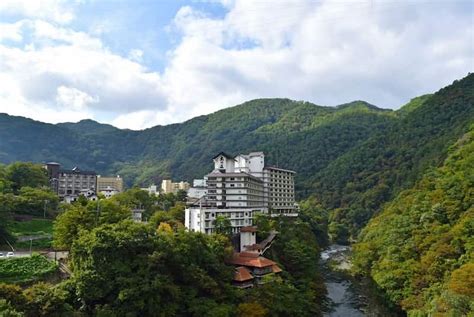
<point x="257" y="265"/>
<point x="242" y="277"/>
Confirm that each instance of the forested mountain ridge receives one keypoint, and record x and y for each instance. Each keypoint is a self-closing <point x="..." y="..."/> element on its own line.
<point x="420" y="249"/>
<point x="356" y="184"/>
<point x="280" y="127"/>
<point x="351" y="159"/>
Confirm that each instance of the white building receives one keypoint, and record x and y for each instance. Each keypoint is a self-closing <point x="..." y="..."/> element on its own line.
<point x="239" y="187"/>
<point x="197" y="192"/>
<point x="200" y="182"/>
<point x="152" y="190"/>
<point x="109" y="192"/>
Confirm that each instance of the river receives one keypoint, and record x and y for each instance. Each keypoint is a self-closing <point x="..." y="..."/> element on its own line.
<point x="347" y="296"/>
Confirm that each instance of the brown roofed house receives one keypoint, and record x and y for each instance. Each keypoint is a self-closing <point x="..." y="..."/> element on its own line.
<point x="242" y="277"/>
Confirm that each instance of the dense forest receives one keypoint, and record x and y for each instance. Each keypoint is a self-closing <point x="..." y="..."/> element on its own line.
<point x="355" y="185"/>
<point x="420" y="249"/>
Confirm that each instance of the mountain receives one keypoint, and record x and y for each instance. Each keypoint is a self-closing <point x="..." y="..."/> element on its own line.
<point x="420" y="249"/>
<point x="351" y="159"/>
<point x="356" y="184"/>
<point x="280" y="127"/>
<point x="88" y="126"/>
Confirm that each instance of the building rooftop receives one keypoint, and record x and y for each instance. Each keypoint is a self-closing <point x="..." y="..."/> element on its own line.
<point x="242" y="274"/>
<point x="279" y="169"/>
<point x="224" y="154"/>
<point x="249" y="229"/>
<point x="76" y="170"/>
<point x="240" y="174"/>
<point x="276" y="269"/>
<point x="250" y="259"/>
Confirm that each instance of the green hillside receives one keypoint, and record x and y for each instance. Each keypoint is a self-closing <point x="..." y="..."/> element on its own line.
<point x="420" y="249"/>
<point x="356" y="184"/>
<point x="280" y="127"/>
<point x="352" y="158"/>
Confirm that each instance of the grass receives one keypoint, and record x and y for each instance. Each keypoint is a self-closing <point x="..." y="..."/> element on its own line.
<point x="30" y="227"/>
<point x="26" y="269"/>
<point x="36" y="245"/>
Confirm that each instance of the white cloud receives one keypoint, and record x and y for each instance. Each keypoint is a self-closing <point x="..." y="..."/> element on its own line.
<point x="74" y="98"/>
<point x="59" y="11"/>
<point x="69" y="72"/>
<point x="11" y="31"/>
<point x="326" y="52"/>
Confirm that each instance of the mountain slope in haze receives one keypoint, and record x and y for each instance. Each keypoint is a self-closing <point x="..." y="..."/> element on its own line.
<point x="420" y="249"/>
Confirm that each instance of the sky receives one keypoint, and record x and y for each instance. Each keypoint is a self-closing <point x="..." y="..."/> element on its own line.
<point x="140" y="63"/>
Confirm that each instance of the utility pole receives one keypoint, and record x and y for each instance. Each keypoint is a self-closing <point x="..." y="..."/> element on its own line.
<point x="31" y="246"/>
<point x="97" y="213"/>
<point x="44" y="210"/>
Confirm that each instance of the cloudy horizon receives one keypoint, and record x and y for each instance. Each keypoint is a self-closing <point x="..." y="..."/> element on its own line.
<point x="137" y="64"/>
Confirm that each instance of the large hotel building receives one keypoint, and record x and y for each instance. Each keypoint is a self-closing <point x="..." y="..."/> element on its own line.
<point x="71" y="183"/>
<point x="239" y="187"/>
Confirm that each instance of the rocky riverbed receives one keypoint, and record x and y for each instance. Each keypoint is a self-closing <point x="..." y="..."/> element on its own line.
<point x="349" y="297"/>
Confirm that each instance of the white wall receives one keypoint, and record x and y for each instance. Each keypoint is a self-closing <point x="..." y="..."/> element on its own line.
<point x="246" y="239"/>
<point x="223" y="162"/>
<point x="192" y="219"/>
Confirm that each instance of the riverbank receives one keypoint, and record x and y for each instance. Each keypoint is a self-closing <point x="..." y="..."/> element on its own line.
<point x="348" y="296"/>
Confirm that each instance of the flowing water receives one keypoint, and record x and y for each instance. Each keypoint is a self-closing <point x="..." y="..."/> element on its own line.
<point x="349" y="297"/>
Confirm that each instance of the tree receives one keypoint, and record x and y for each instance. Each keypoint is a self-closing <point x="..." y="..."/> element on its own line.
<point x="36" y="201"/>
<point x="222" y="225"/>
<point x="251" y="310"/>
<point x="177" y="212"/>
<point x="77" y="217"/>
<point x="6" y="310"/>
<point x="181" y="195"/>
<point x="136" y="198"/>
<point x="462" y="281"/>
<point x="45" y="299"/>
<point x="170" y="273"/>
<point x="69" y="223"/>
<point x="264" y="224"/>
<point x="13" y="294"/>
<point x="5" y="184"/>
<point x="21" y="174"/>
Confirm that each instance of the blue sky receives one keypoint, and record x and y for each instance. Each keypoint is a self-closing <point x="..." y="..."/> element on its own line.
<point x="143" y="25"/>
<point x="136" y="64"/>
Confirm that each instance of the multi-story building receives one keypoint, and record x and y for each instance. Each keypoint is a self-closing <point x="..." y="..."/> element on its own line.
<point x="109" y="186"/>
<point x="280" y="191"/>
<point x="152" y="190"/>
<point x="71" y="183"/>
<point x="115" y="182"/>
<point x="168" y="186"/>
<point x="239" y="187"/>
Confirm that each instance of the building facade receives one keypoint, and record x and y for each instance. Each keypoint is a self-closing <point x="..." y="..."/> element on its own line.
<point x="110" y="182"/>
<point x="152" y="190"/>
<point x="168" y="186"/>
<point x="70" y="184"/>
<point x="238" y="188"/>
